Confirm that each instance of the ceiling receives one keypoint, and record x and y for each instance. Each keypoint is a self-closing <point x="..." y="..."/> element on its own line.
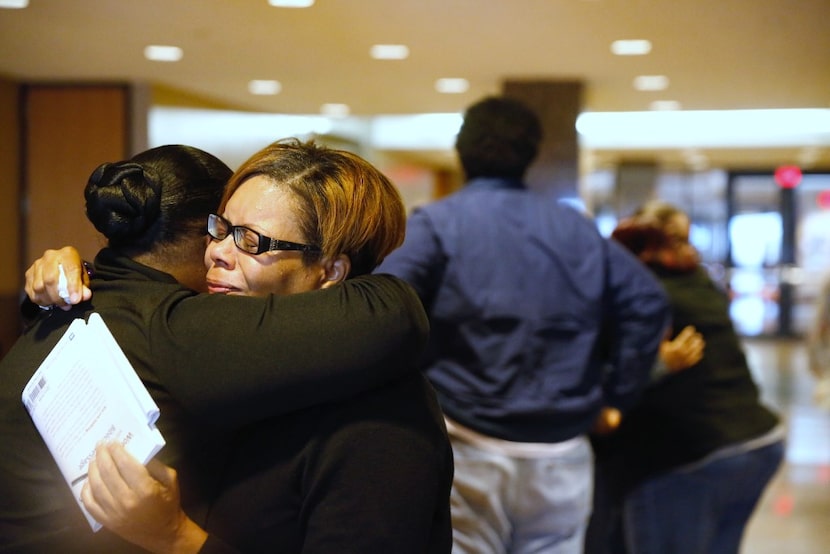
<point x="718" y="54"/>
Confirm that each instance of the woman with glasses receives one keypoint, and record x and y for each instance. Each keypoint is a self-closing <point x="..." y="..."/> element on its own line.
<point x="370" y="472"/>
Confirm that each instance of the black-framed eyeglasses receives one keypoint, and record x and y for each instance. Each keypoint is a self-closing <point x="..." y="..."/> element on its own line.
<point x="249" y="240"/>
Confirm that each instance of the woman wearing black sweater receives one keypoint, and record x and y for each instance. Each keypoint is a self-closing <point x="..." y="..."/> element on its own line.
<point x="692" y="459"/>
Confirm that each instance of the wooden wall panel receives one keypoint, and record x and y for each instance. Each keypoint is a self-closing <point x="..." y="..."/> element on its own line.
<point x="11" y="272"/>
<point x="68" y="131"/>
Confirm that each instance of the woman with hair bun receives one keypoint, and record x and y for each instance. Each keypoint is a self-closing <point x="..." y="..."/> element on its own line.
<point x="220" y="367"/>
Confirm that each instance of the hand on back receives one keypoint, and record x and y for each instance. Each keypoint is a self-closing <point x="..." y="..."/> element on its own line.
<point x="43" y="279"/>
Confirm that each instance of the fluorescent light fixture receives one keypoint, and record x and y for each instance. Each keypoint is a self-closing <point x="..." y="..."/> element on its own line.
<point x="291" y="3"/>
<point x="665" y="105"/>
<point x="264" y="87"/>
<point x="637" y="47"/>
<point x="14" y="4"/>
<point x="335" y="110"/>
<point x="452" y="85"/>
<point x="158" y="53"/>
<point x="389" y="51"/>
<point x="704" y="128"/>
<point x="651" y="82"/>
<point x="229" y="135"/>
<point x="429" y="131"/>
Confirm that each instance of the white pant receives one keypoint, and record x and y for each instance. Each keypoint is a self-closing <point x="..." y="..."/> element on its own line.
<point x="503" y="504"/>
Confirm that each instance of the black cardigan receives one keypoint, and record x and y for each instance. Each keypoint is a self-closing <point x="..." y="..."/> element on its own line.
<point x="213" y="364"/>
<point x="687" y="415"/>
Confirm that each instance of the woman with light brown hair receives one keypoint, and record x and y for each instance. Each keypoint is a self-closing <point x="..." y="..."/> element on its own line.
<point x="371" y="473"/>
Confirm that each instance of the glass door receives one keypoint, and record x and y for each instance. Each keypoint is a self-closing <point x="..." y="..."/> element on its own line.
<point x="756" y="243"/>
<point x="779" y="251"/>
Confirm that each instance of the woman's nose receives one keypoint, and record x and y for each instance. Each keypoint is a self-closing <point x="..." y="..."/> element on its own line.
<point x="222" y="252"/>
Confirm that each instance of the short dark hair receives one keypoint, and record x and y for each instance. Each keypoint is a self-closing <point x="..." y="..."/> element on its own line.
<point x="499" y="138"/>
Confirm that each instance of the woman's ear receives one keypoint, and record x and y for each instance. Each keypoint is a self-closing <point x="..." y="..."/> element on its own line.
<point x="337" y="270"/>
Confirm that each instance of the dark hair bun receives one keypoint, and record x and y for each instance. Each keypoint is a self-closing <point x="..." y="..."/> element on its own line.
<point x="123" y="201"/>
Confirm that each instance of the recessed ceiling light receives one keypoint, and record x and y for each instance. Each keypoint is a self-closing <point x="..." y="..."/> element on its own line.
<point x="291" y="3"/>
<point x="638" y="47"/>
<point x="389" y="51"/>
<point x="335" y="110"/>
<point x="651" y="82"/>
<point x="665" y="105"/>
<point x="264" y="86"/>
<point x="15" y="4"/>
<point x="452" y="85"/>
<point x="159" y="53"/>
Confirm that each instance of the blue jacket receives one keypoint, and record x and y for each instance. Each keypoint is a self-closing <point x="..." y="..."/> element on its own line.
<point x="537" y="321"/>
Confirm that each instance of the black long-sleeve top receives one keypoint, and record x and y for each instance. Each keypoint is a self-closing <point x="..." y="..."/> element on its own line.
<point x="213" y="364"/>
<point x="694" y="412"/>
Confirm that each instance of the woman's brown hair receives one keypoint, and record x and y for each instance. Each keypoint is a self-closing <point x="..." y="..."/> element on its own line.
<point x="343" y="203"/>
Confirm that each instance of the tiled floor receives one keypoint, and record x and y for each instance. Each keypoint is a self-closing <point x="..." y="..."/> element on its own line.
<point x="794" y="514"/>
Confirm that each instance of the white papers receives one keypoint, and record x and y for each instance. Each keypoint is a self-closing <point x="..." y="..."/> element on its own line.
<point x="86" y="392"/>
<point x="63" y="291"/>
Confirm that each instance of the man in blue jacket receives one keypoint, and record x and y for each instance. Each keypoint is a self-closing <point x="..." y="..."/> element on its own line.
<point x="537" y="324"/>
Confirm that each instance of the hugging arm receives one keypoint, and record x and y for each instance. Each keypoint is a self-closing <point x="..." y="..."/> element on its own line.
<point x="640" y="313"/>
<point x="681" y="352"/>
<point x="43" y="276"/>
<point x="261" y="357"/>
<point x="235" y="360"/>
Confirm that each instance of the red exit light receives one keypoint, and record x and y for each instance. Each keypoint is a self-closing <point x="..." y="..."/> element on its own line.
<point x="788" y="176"/>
